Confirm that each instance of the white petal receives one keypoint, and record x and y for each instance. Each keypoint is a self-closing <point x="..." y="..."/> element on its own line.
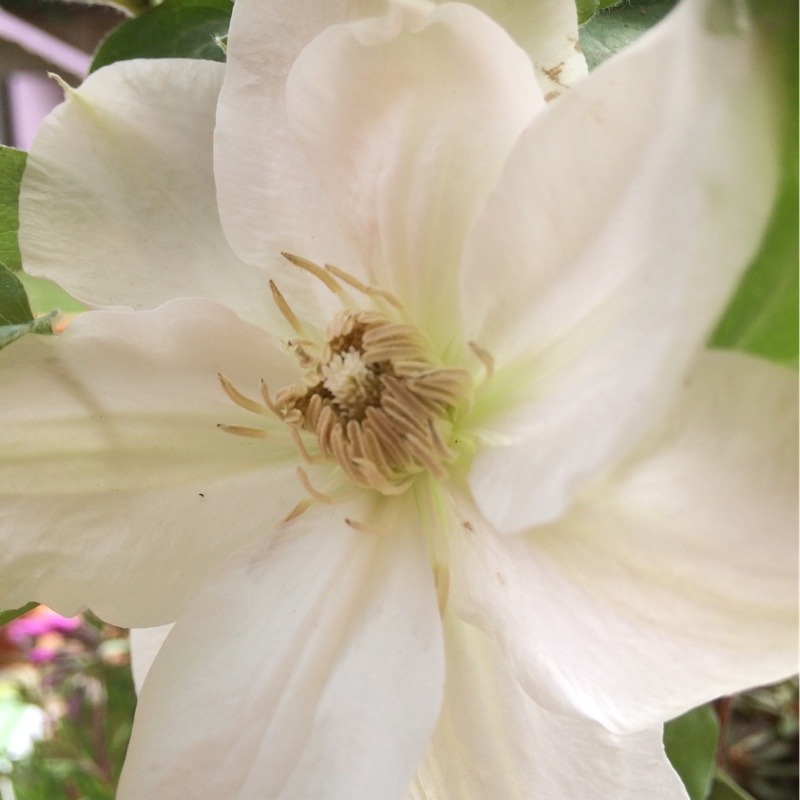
<point x="269" y="200"/>
<point x="622" y="223"/>
<point x="145" y="645"/>
<point x="118" y="202"/>
<point x="673" y="579"/>
<point x="406" y="121"/>
<point x="310" y="666"/>
<point x="548" y="31"/>
<point x="493" y="741"/>
<point x="117" y="489"/>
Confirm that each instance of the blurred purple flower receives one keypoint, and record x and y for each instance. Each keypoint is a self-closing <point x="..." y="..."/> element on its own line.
<point x="40" y="622"/>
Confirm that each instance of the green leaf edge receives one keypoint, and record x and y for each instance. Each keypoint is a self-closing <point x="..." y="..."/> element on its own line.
<point x="10" y="333"/>
<point x="12" y="165"/>
<point x="125" y="41"/>
<point x="690" y="742"/>
<point x="725" y="788"/>
<point x="588" y="8"/>
<point x="15" y="307"/>
<point x="769" y="327"/>
<point x="12" y="614"/>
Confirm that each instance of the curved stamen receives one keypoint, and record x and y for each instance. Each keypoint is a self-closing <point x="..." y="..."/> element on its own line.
<point x="319" y="273"/>
<point x="375" y="530"/>
<point x="484" y="357"/>
<point x="240" y="399"/>
<point x="285" y="310"/>
<point x="268" y="400"/>
<point x="315" y="493"/>
<point x="243" y="430"/>
<point x="369" y="291"/>
<point x="301" y="448"/>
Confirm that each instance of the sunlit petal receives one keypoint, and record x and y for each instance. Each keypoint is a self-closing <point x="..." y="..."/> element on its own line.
<point x="269" y="199"/>
<point x="145" y="644"/>
<point x="406" y="161"/>
<point x="119" y="208"/>
<point x="117" y="489"/>
<point x="310" y="666"/>
<point x="673" y="579"/>
<point x="493" y="741"/>
<point x="645" y="189"/>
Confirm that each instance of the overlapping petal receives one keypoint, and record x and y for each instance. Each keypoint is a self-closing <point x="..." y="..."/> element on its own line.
<point x="129" y="157"/>
<point x="117" y="489"/>
<point x="645" y="191"/>
<point x="671" y="580"/>
<point x="261" y="173"/>
<point x="269" y="199"/>
<point x="493" y="741"/>
<point x="407" y="161"/>
<point x="548" y="31"/>
<point x="145" y="644"/>
<point x="317" y="655"/>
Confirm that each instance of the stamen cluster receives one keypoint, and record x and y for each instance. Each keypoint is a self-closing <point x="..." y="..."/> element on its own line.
<point x="379" y="405"/>
<point x="376" y="398"/>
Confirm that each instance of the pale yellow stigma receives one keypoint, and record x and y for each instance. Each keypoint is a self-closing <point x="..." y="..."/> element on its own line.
<point x="352" y="383"/>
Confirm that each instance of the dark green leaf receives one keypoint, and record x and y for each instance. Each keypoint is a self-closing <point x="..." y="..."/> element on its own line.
<point x="8" y="616"/>
<point x="12" y="165"/>
<point x="174" y="29"/>
<point x="14" y="306"/>
<point x="724" y="788"/>
<point x="616" y="27"/>
<point x="691" y="743"/>
<point x="16" y="317"/>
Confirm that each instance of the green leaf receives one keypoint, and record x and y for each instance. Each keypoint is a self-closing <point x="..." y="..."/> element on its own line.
<point x="762" y="317"/>
<point x="16" y="317"/>
<point x="8" y="616"/>
<point x="12" y="165"/>
<point x="46" y="296"/>
<point x="174" y="29"/>
<point x="588" y="8"/>
<point x="614" y="28"/>
<point x="724" y="788"/>
<point x="691" y="744"/>
<point x="14" y="306"/>
<point x="10" y="333"/>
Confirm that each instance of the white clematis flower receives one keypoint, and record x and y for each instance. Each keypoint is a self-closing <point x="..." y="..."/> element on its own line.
<point x="469" y="511"/>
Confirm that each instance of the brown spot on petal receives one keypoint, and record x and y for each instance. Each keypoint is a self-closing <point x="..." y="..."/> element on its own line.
<point x="554" y="73"/>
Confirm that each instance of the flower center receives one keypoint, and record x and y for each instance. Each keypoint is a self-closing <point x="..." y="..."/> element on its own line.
<point x="377" y="400"/>
<point x="375" y="397"/>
